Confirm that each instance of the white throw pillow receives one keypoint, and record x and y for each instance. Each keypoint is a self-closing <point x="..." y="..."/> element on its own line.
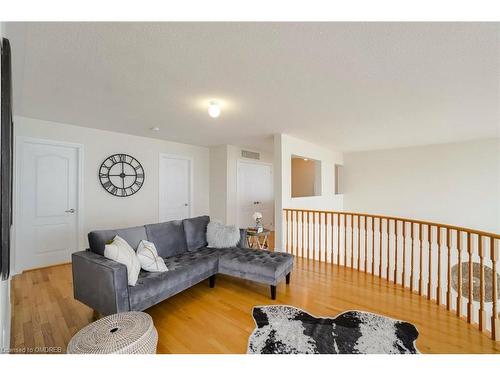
<point x="221" y="236"/>
<point x="120" y="251"/>
<point x="149" y="259"/>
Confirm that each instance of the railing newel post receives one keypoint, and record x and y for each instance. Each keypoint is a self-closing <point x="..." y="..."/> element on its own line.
<point x="373" y="245"/>
<point x="358" y="246"/>
<point x="332" y="217"/>
<point x="482" y="312"/>
<point x="345" y="240"/>
<point x="470" y="250"/>
<point x="429" y="270"/>
<point x="403" y="275"/>
<point x="352" y="240"/>
<point x="448" y="276"/>
<point x="495" y="320"/>
<point x="320" y="220"/>
<point x="438" y="288"/>
<point x="420" y="278"/>
<point x="286" y="231"/>
<point x="412" y="275"/>
<point x="338" y="240"/>
<point x="388" y="228"/>
<point x="459" y="274"/>
<point x="396" y="242"/>
<point x="365" y="244"/>
<point x="314" y="235"/>
<point x="380" y="247"/>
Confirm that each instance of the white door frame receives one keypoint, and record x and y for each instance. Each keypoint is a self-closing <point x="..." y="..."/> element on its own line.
<point x="162" y="155"/>
<point x="19" y="143"/>
<point x="257" y="162"/>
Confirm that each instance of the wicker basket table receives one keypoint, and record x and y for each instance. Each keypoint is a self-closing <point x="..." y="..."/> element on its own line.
<point x="123" y="333"/>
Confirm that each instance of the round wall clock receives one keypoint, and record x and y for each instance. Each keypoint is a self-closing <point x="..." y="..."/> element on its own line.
<point x="121" y="175"/>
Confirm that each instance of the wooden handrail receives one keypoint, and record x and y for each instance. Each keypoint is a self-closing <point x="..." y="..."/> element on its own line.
<point x="454" y="227"/>
<point x="437" y="261"/>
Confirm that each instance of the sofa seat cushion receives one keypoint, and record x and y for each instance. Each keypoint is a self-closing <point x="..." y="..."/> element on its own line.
<point x="99" y="238"/>
<point x="256" y="265"/>
<point x="169" y="238"/>
<point x="184" y="271"/>
<point x="196" y="232"/>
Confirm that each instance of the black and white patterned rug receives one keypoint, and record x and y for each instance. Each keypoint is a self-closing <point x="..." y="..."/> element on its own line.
<point x="288" y="330"/>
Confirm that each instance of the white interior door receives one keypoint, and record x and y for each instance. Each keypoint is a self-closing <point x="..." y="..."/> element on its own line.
<point x="47" y="195"/>
<point x="255" y="193"/>
<point x="175" y="188"/>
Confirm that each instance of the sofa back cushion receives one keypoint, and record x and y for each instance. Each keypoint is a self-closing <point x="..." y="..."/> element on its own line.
<point x="99" y="238"/>
<point x="196" y="232"/>
<point x="169" y="238"/>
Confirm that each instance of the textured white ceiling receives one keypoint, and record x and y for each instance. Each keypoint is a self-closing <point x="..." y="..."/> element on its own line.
<point x="348" y="86"/>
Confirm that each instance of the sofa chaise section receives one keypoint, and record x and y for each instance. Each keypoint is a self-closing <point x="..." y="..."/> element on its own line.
<point x="256" y="265"/>
<point x="102" y="284"/>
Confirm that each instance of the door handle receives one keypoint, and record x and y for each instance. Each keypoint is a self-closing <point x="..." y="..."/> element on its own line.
<point x="185" y="204"/>
<point x="70" y="211"/>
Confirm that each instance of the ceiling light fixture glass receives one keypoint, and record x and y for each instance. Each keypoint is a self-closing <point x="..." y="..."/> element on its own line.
<point x="214" y="109"/>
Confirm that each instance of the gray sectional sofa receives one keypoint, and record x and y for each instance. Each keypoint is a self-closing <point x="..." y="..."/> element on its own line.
<point x="101" y="283"/>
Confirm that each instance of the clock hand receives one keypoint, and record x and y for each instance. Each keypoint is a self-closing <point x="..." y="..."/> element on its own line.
<point x="123" y="176"/>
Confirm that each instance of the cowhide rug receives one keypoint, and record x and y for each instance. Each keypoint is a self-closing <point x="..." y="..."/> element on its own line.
<point x="288" y="330"/>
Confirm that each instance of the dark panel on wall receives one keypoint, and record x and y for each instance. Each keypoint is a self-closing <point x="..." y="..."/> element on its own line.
<point x="6" y="158"/>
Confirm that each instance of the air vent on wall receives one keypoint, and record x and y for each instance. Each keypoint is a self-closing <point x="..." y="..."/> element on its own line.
<point x="250" y="155"/>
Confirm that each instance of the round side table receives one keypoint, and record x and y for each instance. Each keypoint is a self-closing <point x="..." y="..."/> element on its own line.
<point x="123" y="333"/>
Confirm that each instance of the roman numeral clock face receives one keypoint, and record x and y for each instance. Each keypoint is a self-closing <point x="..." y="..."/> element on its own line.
<point x="121" y="175"/>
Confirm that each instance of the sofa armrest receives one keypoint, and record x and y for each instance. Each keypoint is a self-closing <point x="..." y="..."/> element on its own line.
<point x="100" y="283"/>
<point x="243" y="244"/>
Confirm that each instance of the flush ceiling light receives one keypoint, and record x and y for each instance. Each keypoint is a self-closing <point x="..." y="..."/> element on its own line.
<point x="155" y="128"/>
<point x="214" y="109"/>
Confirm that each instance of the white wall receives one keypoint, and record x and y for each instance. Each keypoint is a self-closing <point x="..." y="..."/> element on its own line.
<point x="218" y="182"/>
<point x="284" y="147"/>
<point x="224" y="180"/>
<point x="101" y="209"/>
<point x="234" y="154"/>
<point x="455" y="183"/>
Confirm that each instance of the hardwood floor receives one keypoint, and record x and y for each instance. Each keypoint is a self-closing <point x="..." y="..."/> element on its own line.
<point x="204" y="320"/>
<point x="44" y="313"/>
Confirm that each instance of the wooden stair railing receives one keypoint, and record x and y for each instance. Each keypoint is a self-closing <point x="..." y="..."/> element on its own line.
<point x="431" y="259"/>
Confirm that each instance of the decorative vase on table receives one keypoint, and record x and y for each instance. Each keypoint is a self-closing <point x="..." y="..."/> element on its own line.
<point x="257" y="216"/>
